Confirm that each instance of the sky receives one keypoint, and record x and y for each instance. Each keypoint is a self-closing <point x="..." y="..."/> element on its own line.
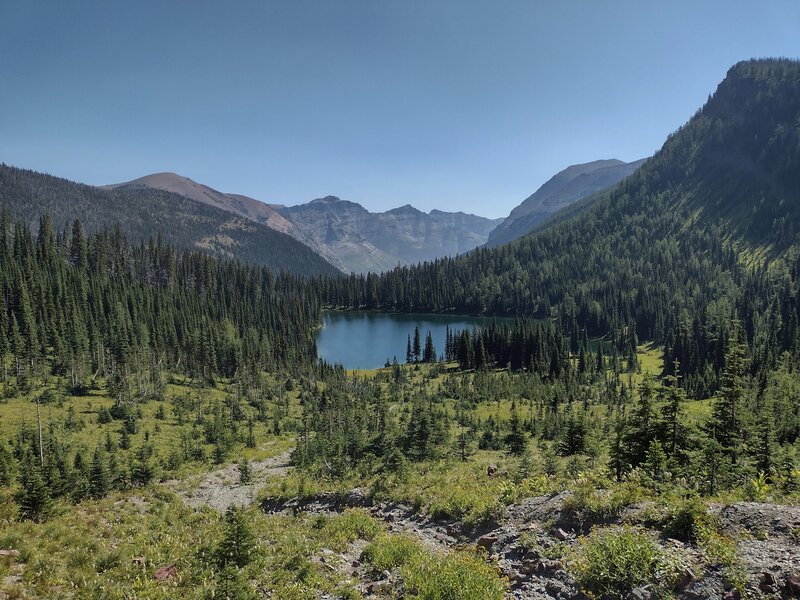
<point x="455" y="105"/>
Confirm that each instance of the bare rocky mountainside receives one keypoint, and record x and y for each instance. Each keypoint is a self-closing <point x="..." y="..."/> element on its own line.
<point x="358" y="240"/>
<point x="563" y="189"/>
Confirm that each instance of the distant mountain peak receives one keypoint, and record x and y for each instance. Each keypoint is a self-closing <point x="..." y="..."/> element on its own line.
<point x="243" y="206"/>
<point x="406" y="209"/>
<point x="359" y="240"/>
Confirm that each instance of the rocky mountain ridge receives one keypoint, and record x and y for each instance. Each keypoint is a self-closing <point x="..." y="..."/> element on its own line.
<point x="365" y="241"/>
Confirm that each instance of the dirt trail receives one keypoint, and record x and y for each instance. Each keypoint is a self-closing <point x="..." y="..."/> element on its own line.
<point x="222" y="488"/>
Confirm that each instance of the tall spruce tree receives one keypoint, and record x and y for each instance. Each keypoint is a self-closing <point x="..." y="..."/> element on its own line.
<point x="33" y="497"/>
<point x="417" y="345"/>
<point x="726" y="425"/>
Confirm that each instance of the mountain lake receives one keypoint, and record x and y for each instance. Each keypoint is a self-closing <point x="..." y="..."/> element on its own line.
<point x="366" y="339"/>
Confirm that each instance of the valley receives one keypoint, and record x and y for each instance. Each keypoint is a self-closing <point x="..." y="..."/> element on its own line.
<point x="205" y="396"/>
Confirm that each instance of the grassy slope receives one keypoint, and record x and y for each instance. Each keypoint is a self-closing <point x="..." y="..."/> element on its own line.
<point x="87" y="550"/>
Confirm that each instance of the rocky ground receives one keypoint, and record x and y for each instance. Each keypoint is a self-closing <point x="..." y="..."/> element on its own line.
<point x="223" y="487"/>
<point x="13" y="580"/>
<point x="530" y="543"/>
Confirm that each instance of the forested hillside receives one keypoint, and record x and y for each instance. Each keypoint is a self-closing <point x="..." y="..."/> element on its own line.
<point x="87" y="306"/>
<point x="721" y="198"/>
<point x="143" y="212"/>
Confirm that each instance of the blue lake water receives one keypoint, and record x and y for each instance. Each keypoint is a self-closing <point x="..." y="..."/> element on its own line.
<point x="365" y="339"/>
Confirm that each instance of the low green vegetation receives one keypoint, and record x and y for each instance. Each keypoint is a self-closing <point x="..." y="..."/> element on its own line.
<point x="431" y="575"/>
<point x="113" y="547"/>
<point x="609" y="563"/>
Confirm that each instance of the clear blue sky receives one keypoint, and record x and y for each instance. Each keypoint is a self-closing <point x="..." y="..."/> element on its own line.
<point x="457" y="105"/>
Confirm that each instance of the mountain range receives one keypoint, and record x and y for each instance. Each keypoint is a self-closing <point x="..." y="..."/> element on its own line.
<point x="330" y="234"/>
<point x="344" y="233"/>
<point x="360" y="240"/>
<point x="357" y="240"/>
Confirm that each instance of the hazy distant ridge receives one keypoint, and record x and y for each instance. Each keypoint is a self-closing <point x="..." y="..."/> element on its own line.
<point x="564" y="188"/>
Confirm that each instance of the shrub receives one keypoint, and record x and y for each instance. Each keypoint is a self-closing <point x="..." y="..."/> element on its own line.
<point x="609" y="563"/>
<point x="461" y="575"/>
<point x="353" y="524"/>
<point x="390" y="551"/>
<point x="690" y="521"/>
<point x="758" y="488"/>
<point x="468" y="503"/>
<point x="458" y="574"/>
<point x="589" y="503"/>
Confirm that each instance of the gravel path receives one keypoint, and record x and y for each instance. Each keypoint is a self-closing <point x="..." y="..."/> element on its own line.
<point x="221" y="488"/>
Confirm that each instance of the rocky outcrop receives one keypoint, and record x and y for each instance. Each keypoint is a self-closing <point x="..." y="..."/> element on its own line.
<point x="532" y="545"/>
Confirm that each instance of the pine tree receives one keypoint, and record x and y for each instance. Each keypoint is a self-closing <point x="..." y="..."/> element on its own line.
<point x="655" y="462"/>
<point x="417" y="347"/>
<point x="4" y="345"/>
<point x="618" y="453"/>
<point x="515" y="439"/>
<point x="245" y="471"/>
<point x="419" y="432"/>
<point x="34" y="499"/>
<point x="238" y="543"/>
<point x="765" y="442"/>
<point x="714" y="466"/>
<point x="232" y="584"/>
<point x="125" y="439"/>
<point x="550" y="462"/>
<point x="6" y="465"/>
<point x="77" y="249"/>
<point x="674" y="397"/>
<point x="642" y="427"/>
<point x="601" y="363"/>
<point x="79" y="477"/>
<point x="99" y="477"/>
<point x="725" y="424"/>
<point x="429" y="354"/>
<point x="141" y="470"/>
<point x="251" y="436"/>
